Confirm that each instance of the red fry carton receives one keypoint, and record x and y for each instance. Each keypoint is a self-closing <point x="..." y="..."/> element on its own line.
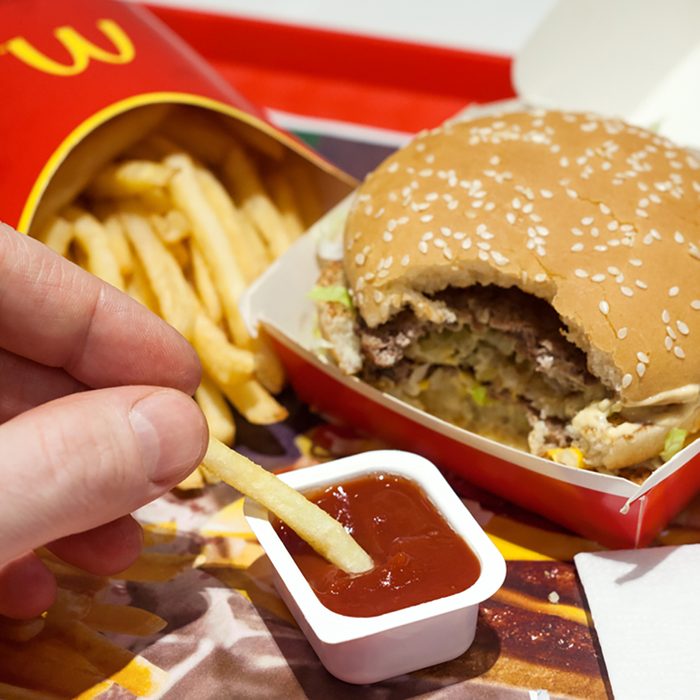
<point x="82" y="80"/>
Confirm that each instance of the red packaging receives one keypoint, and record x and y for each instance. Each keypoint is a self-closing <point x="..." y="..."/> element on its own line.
<point x="68" y="68"/>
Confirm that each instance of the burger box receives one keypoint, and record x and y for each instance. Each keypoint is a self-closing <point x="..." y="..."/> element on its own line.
<point x="82" y="80"/>
<point x="566" y="65"/>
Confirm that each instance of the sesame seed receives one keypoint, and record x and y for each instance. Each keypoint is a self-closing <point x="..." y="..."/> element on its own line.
<point x="636" y="262"/>
<point x="387" y="236"/>
<point x="641" y="369"/>
<point x="679" y="352"/>
<point x="673" y="291"/>
<point x="641" y="285"/>
<point x="439" y="243"/>
<point x="671" y="333"/>
<point x="378" y="296"/>
<point x="599" y="277"/>
<point x="614" y="270"/>
<point x="683" y="327"/>
<point x="453" y="204"/>
<point x="604" y="307"/>
<point x="393" y="167"/>
<point x="668" y="342"/>
<point x="643" y="357"/>
<point x="360" y="259"/>
<point x="627" y="291"/>
<point x="604" y="208"/>
<point x="576" y="247"/>
<point x="498" y="258"/>
<point x="483" y="255"/>
<point x="510" y="217"/>
<point x="446" y="231"/>
<point x="626" y="380"/>
<point x="483" y="245"/>
<point x="678" y="237"/>
<point x="695" y="304"/>
<point x="467" y="243"/>
<point x="426" y="236"/>
<point x="426" y="218"/>
<point x="665" y="316"/>
<point x="587" y="220"/>
<point x="622" y="333"/>
<point x="577" y="231"/>
<point x="447" y="253"/>
<point x="540" y="277"/>
<point x="547" y="194"/>
<point x="405" y="260"/>
<point x="423" y="247"/>
<point x="580" y="273"/>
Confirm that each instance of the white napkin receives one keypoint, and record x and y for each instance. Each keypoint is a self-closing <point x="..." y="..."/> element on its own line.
<point x="646" y="610"/>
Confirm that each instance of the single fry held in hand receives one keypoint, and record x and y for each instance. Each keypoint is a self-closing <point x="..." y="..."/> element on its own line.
<point x="325" y="534"/>
<point x="183" y="222"/>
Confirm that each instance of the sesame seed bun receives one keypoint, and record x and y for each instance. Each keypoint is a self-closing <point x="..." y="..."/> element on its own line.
<point x="598" y="218"/>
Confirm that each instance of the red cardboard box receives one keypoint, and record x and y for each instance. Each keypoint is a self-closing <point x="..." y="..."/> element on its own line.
<point x="84" y="79"/>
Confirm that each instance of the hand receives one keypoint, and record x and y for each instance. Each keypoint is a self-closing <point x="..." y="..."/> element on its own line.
<point x="88" y="430"/>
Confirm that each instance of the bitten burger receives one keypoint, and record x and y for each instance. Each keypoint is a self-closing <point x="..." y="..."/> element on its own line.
<point x="533" y="277"/>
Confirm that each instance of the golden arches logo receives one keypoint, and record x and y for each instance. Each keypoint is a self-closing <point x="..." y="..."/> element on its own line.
<point x="81" y="50"/>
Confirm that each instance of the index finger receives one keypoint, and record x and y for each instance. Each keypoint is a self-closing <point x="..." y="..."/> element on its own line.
<point x="56" y="314"/>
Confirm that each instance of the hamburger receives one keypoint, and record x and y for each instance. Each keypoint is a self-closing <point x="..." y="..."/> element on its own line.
<point x="533" y="277"/>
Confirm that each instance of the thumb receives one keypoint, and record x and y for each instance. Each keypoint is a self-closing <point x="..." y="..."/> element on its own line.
<point x="89" y="458"/>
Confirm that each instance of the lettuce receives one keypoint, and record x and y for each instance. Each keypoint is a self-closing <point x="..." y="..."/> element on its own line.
<point x="673" y="443"/>
<point x="479" y="394"/>
<point x="335" y="293"/>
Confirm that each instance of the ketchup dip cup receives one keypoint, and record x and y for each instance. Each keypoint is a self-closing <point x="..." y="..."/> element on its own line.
<point x="370" y="649"/>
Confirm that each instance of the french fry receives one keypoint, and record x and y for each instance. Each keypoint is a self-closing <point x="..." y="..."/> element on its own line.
<point x="216" y="411"/>
<point x="128" y="179"/>
<point x="325" y="534"/>
<point x="181" y="254"/>
<point x="242" y="179"/>
<point x="94" y="241"/>
<point x="285" y="201"/>
<point x="227" y="364"/>
<point x="58" y="235"/>
<point x="192" y="482"/>
<point x="248" y="247"/>
<point x="268" y="368"/>
<point x="139" y="287"/>
<point x="252" y="400"/>
<point x="213" y="242"/>
<point x="206" y="291"/>
<point x="171" y="227"/>
<point x="119" y="244"/>
<point x="164" y="274"/>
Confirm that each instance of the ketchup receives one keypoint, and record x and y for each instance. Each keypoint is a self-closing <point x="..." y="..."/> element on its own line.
<point x="418" y="557"/>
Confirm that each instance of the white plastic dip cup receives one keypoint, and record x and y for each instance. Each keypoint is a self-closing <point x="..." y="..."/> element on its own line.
<point x="370" y="649"/>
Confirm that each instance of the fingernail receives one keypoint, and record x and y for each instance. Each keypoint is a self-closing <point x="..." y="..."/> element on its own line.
<point x="171" y="431"/>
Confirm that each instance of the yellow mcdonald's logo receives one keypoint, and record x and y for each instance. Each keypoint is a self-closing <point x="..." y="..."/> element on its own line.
<point x="80" y="49"/>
